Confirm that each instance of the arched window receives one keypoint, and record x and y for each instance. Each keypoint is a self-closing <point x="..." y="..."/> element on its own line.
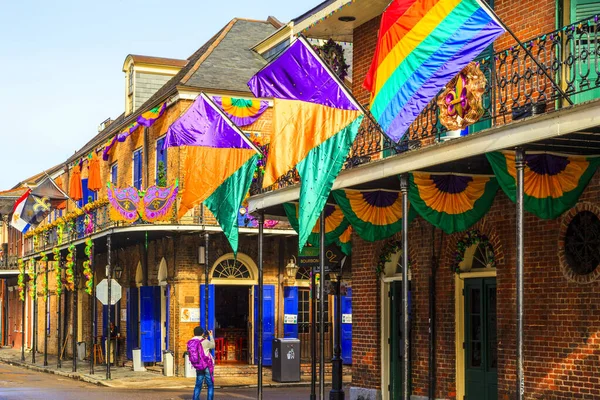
<point x="303" y="273"/>
<point x="231" y="269"/>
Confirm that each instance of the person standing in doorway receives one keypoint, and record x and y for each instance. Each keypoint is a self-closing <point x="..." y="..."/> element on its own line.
<point x="199" y="348"/>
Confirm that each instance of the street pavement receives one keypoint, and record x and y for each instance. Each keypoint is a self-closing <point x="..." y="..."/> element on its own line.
<point x="24" y="384"/>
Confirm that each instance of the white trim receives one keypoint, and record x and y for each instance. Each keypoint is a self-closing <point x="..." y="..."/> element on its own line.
<point x="246" y="260"/>
<point x="533" y="129"/>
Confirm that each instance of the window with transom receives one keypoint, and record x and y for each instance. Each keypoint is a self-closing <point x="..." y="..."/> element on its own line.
<point x="231" y="269"/>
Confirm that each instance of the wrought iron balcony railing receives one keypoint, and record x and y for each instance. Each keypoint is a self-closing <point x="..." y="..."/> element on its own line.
<point x="516" y="88"/>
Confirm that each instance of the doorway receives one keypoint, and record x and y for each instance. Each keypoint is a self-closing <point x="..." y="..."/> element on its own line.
<point x="232" y="323"/>
<point x="395" y="342"/>
<point x="481" y="345"/>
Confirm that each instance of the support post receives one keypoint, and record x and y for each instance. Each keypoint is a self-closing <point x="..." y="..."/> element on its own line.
<point x="313" y="334"/>
<point x="46" y="316"/>
<point x="108" y="346"/>
<point x="520" y="167"/>
<point x="337" y="391"/>
<point x="34" y="314"/>
<point x="75" y="307"/>
<point x="58" y="324"/>
<point x="405" y="326"/>
<point x="206" y="280"/>
<point x="23" y="317"/>
<point x="92" y="313"/>
<point x="322" y="306"/>
<point x="261" y="223"/>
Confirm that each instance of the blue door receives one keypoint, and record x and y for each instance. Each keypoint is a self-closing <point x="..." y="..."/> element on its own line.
<point x="150" y="323"/>
<point x="211" y="308"/>
<point x="132" y="321"/>
<point x="113" y="317"/>
<point x="268" y="323"/>
<point x="290" y="311"/>
<point x="347" y="327"/>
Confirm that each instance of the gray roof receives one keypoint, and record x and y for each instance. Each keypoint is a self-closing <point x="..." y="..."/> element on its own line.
<point x="231" y="64"/>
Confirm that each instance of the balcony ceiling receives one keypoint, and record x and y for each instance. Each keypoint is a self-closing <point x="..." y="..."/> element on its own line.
<point x="331" y="27"/>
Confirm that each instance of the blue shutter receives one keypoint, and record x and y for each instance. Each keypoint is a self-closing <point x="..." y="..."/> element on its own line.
<point x="84" y="193"/>
<point x="150" y="323"/>
<point x="132" y="321"/>
<point x="161" y="155"/>
<point x="114" y="174"/>
<point x="268" y="323"/>
<point x="347" y="328"/>
<point x="211" y="309"/>
<point x="137" y="169"/>
<point x="290" y="307"/>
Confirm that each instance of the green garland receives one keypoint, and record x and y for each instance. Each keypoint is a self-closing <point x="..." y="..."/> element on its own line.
<point x="87" y="270"/>
<point x="58" y="271"/>
<point x="392" y="246"/>
<point x="60" y="228"/>
<point x="69" y="272"/>
<point x="33" y="279"/>
<point x="21" y="280"/>
<point x="471" y="238"/>
<point x="45" y="260"/>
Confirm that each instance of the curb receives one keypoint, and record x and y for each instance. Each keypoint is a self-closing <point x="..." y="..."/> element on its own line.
<point x="72" y="375"/>
<point x="83" y="378"/>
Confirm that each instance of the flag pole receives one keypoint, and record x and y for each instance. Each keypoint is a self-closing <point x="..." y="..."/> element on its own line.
<point x="60" y="189"/>
<point x="527" y="51"/>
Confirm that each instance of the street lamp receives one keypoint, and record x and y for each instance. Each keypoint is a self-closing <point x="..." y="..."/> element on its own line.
<point x="337" y="392"/>
<point x="118" y="272"/>
<point x="291" y="269"/>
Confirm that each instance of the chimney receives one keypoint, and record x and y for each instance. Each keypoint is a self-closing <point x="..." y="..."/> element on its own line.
<point x="104" y="124"/>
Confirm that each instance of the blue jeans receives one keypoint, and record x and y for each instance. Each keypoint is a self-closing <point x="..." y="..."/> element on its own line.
<point x="204" y="376"/>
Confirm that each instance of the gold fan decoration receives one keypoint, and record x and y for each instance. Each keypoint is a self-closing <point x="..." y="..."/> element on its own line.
<point x="461" y="102"/>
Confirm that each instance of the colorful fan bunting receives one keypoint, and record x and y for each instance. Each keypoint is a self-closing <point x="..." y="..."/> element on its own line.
<point x="158" y="203"/>
<point x="242" y="112"/>
<point x="335" y="223"/>
<point x="451" y="202"/>
<point x="315" y="122"/>
<point x="124" y="203"/>
<point x="422" y="45"/>
<point x="345" y="241"/>
<point x="553" y="183"/>
<point x="373" y="214"/>
<point x="148" y="118"/>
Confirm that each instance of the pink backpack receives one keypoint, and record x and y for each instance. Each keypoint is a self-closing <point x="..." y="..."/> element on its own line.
<point x="198" y="357"/>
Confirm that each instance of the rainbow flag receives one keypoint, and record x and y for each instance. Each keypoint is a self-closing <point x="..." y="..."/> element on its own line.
<point x="315" y="122"/>
<point x="422" y="45"/>
<point x="219" y="164"/>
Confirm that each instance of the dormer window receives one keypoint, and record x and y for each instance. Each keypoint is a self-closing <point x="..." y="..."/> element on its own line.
<point x="130" y="80"/>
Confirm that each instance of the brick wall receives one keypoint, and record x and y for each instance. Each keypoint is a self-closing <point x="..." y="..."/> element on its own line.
<point x="562" y="318"/>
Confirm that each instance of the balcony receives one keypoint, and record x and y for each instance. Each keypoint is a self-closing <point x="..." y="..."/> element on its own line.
<point x="78" y="228"/>
<point x="517" y="88"/>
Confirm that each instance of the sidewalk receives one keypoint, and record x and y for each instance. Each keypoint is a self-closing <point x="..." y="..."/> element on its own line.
<point x="126" y="378"/>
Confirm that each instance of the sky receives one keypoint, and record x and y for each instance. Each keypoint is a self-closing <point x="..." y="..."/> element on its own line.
<point x="61" y="65"/>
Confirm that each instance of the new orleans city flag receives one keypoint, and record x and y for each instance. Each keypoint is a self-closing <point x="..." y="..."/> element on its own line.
<point x="422" y="45"/>
<point x="219" y="164"/>
<point x="315" y="122"/>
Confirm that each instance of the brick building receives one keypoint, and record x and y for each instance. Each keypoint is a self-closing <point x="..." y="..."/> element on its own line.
<point x="462" y="348"/>
<point x="162" y="263"/>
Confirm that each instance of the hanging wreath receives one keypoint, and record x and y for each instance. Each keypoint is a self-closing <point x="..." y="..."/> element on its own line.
<point x="32" y="278"/>
<point x="333" y="54"/>
<point x="461" y="102"/>
<point x="69" y="272"/>
<point x="473" y="237"/>
<point x="392" y="246"/>
<point x="87" y="270"/>
<point x="45" y="260"/>
<point x="21" y="280"/>
<point x="58" y="271"/>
